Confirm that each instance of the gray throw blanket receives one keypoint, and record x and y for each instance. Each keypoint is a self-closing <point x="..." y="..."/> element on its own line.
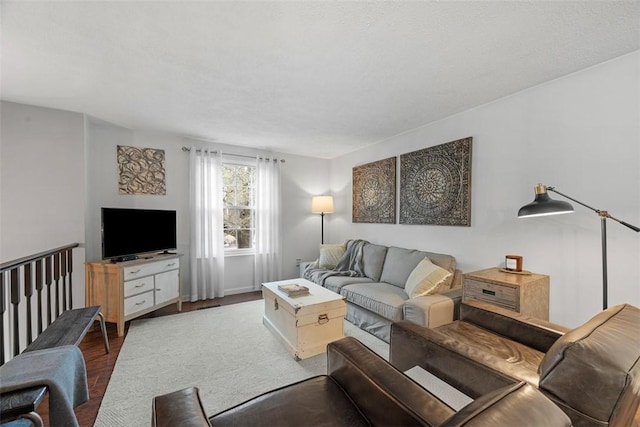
<point x="349" y="265"/>
<point x="61" y="369"/>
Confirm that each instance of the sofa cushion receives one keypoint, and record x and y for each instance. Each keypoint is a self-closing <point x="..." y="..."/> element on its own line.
<point x="398" y="264"/>
<point x="381" y="298"/>
<point x="519" y="404"/>
<point x="426" y="279"/>
<point x="445" y="261"/>
<point x="182" y="407"/>
<point x="604" y="351"/>
<point x="373" y="260"/>
<point x="336" y="283"/>
<point x="495" y="351"/>
<point x="330" y="255"/>
<point x="316" y="401"/>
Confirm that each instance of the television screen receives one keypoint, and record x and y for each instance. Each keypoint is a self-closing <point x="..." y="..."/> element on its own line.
<point x="134" y="231"/>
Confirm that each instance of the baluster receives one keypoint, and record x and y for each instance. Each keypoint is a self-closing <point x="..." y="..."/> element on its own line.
<point x="47" y="272"/>
<point x="56" y="278"/>
<point x="63" y="273"/>
<point x="3" y="309"/>
<point x="70" y="261"/>
<point x="53" y="270"/>
<point x="15" y="300"/>
<point x="28" y="291"/>
<point x="39" y="291"/>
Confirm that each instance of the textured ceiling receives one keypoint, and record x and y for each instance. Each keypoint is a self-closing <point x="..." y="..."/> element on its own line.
<point x="313" y="78"/>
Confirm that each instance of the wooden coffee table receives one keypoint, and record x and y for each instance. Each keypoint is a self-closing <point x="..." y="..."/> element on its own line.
<point x="305" y="324"/>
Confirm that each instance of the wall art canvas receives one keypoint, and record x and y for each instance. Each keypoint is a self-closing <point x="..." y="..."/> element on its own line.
<point x="435" y="185"/>
<point x="141" y="171"/>
<point x="374" y="192"/>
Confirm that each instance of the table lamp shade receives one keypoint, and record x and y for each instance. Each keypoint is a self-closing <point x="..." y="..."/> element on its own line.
<point x="322" y="204"/>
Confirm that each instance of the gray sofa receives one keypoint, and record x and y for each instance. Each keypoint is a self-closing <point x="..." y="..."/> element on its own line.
<point x="376" y="297"/>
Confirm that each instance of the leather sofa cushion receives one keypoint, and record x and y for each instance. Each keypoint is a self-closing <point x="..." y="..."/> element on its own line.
<point x="182" y="407"/>
<point x="373" y="259"/>
<point x="316" y="401"/>
<point x="336" y="283"/>
<point x="515" y="405"/>
<point x="532" y="332"/>
<point x="381" y="298"/>
<point x="604" y="350"/>
<point x="493" y="350"/>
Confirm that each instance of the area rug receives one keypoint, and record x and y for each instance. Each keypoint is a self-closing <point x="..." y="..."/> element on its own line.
<point x="225" y="351"/>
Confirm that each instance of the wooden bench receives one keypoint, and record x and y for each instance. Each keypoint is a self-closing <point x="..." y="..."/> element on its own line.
<point x="68" y="329"/>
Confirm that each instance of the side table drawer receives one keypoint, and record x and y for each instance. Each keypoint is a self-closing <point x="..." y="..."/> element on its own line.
<point x="501" y="295"/>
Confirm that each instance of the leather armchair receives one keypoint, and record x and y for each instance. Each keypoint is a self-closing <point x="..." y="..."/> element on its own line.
<point x="591" y="372"/>
<point x="361" y="388"/>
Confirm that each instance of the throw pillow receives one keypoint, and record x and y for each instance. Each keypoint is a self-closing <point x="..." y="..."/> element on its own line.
<point x="330" y="255"/>
<point x="426" y="279"/>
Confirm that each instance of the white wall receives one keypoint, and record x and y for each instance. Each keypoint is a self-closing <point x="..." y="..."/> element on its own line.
<point x="302" y="177"/>
<point x="42" y="184"/>
<point x="41" y="195"/>
<point x="41" y="179"/>
<point x="580" y="134"/>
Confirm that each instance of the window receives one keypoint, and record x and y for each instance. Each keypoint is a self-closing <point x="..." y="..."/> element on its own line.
<point x="238" y="189"/>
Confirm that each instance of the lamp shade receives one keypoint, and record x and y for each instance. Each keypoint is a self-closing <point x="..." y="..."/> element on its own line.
<point x="322" y="204"/>
<point x="544" y="205"/>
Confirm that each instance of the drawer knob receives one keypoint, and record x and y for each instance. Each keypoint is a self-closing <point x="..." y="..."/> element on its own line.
<point x="134" y="271"/>
<point x="275" y="304"/>
<point x="141" y="285"/>
<point x="141" y="302"/>
<point x="171" y="264"/>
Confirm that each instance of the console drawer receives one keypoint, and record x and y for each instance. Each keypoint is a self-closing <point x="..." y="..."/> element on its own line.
<point x="150" y="268"/>
<point x="138" y="303"/>
<point x="138" y="286"/>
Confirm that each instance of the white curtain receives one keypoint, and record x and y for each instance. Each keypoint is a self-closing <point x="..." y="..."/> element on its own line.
<point x="206" y="234"/>
<point x="268" y="239"/>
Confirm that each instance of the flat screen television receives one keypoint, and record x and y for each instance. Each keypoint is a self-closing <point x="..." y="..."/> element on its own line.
<point x="129" y="232"/>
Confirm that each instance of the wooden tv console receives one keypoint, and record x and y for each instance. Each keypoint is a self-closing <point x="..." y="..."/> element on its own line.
<point x="126" y="290"/>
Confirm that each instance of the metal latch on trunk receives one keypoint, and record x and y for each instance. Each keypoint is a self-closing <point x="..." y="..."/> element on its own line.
<point x="323" y="318"/>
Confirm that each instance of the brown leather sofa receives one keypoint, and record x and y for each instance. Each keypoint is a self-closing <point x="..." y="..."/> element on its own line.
<point x="591" y="372"/>
<point x="361" y="388"/>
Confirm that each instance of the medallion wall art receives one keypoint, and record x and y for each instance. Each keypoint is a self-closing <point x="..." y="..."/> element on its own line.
<point x="141" y="171"/>
<point x="374" y="192"/>
<point x="435" y="185"/>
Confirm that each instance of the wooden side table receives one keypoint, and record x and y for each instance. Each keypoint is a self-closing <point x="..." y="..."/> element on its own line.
<point x="526" y="294"/>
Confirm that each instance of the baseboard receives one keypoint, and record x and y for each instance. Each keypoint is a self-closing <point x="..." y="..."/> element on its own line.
<point x="235" y="291"/>
<point x="227" y="292"/>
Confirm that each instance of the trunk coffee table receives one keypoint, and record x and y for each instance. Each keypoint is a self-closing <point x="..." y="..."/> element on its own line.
<point x="307" y="323"/>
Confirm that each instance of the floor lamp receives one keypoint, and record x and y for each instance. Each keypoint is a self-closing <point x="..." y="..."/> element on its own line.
<point x="545" y="205"/>
<point x="322" y="205"/>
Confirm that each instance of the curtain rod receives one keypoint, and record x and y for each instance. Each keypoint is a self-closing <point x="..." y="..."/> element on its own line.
<point x="231" y="154"/>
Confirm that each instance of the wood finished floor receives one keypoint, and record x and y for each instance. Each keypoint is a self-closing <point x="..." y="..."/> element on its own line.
<point x="100" y="365"/>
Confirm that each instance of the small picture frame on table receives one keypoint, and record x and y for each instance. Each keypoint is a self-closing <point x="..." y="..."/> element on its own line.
<point x="513" y="263"/>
